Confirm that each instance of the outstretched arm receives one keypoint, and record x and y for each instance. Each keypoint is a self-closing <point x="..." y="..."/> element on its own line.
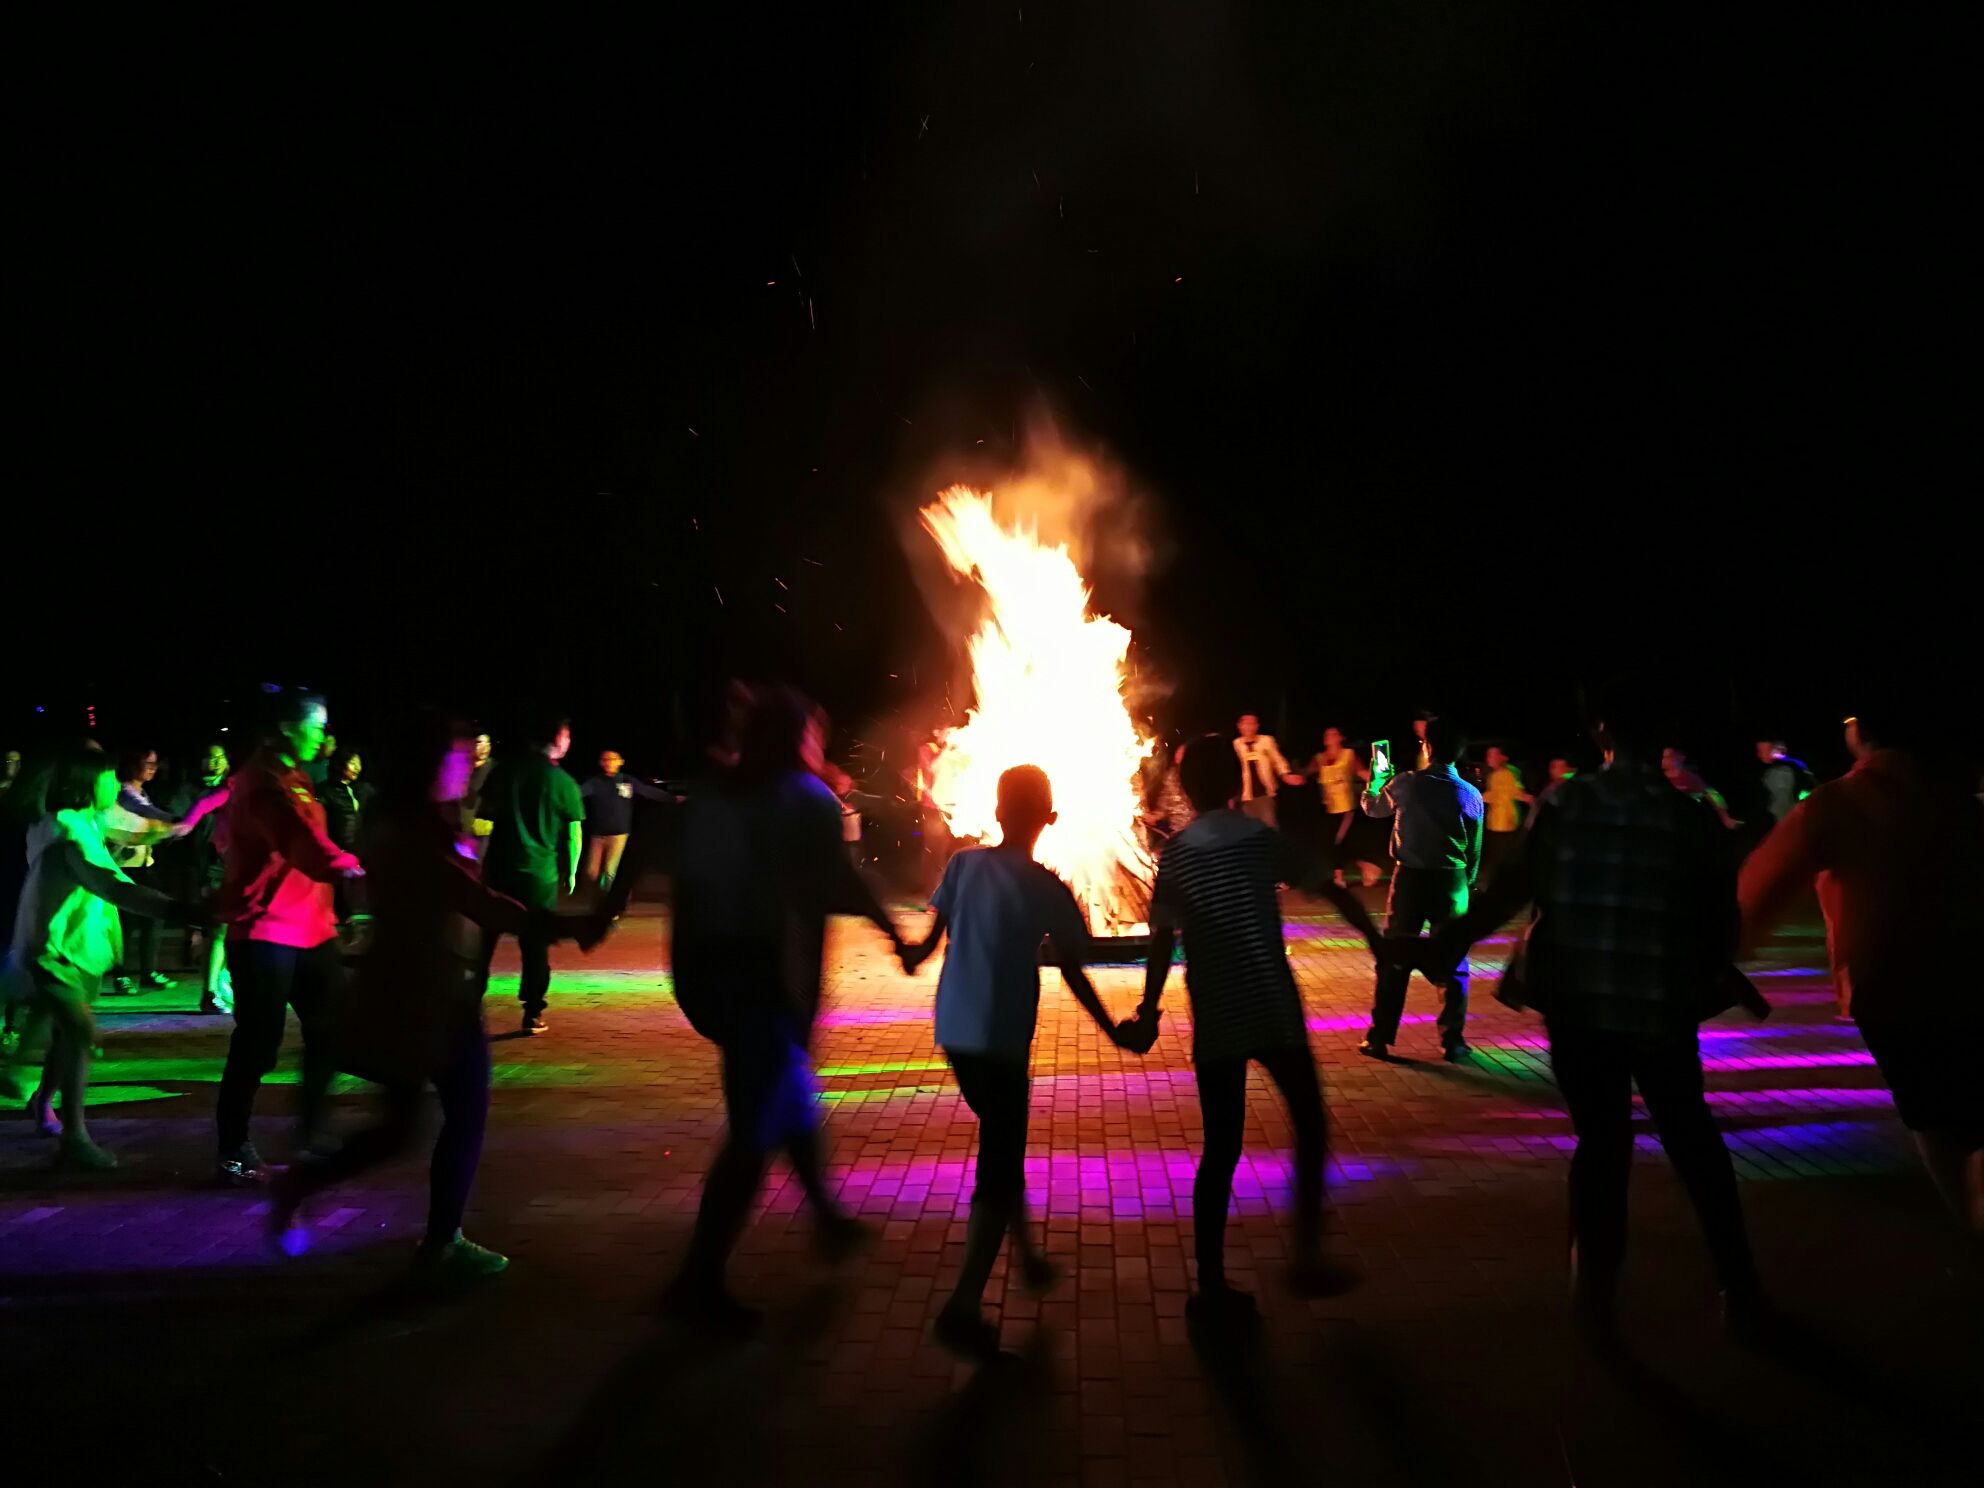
<point x="133" y="898"/>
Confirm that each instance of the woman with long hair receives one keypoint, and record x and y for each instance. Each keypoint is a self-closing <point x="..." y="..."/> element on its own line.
<point x="414" y="1009"/>
<point x="67" y="937"/>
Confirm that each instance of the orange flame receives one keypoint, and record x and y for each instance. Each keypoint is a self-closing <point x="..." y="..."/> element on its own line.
<point x="1047" y="680"/>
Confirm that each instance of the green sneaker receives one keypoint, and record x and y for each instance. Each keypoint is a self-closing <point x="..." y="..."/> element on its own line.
<point x="458" y="1262"/>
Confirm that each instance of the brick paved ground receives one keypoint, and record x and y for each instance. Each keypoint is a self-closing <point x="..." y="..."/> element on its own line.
<point x="148" y="1330"/>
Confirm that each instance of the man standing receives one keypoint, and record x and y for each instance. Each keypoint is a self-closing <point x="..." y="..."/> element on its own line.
<point x="1262" y="769"/>
<point x="1896" y="848"/>
<point x="1502" y="799"/>
<point x="609" y="798"/>
<point x="1436" y="844"/>
<point x="536" y="816"/>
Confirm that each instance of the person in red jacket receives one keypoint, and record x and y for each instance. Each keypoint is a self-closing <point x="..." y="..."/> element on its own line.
<point x="277" y="901"/>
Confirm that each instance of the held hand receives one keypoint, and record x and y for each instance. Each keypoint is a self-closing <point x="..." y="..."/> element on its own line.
<point x="1138" y="1032"/>
<point x="912" y="956"/>
<point x="1291" y="778"/>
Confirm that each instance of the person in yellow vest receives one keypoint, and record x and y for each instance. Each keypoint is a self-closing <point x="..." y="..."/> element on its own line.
<point x="1340" y="774"/>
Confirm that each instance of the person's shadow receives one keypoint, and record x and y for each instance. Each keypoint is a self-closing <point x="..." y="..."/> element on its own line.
<point x="977" y="1436"/>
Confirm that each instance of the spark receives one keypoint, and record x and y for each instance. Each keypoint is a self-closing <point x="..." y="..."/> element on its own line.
<point x="692" y="429"/>
<point x="781" y="582"/>
<point x="814" y="561"/>
<point x="717" y="592"/>
<point x="812" y="319"/>
<point x="923" y="128"/>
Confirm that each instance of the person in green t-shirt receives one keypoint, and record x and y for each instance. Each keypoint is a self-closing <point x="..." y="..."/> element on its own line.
<point x="536" y="815"/>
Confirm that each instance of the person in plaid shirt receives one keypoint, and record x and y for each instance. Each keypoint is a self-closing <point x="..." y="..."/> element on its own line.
<point x="1635" y="893"/>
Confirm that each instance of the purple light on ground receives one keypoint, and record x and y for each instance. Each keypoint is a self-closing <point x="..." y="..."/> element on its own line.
<point x="1840" y="1059"/>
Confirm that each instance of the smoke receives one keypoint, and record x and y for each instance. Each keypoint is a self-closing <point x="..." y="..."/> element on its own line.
<point x="1072" y="494"/>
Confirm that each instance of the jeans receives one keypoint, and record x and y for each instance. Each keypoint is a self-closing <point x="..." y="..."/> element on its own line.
<point x="268" y="979"/>
<point x="461" y="1079"/>
<point x="534" y="983"/>
<point x="996" y="1090"/>
<point x="1596" y="1070"/>
<point x="1421" y="898"/>
<point x="1223" y="1108"/>
<point x="769" y="1098"/>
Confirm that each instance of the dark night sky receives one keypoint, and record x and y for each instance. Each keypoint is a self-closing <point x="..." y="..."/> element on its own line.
<point x="1456" y="351"/>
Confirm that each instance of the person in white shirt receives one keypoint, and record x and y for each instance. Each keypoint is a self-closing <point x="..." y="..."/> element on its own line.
<point x="998" y="905"/>
<point x="1262" y="769"/>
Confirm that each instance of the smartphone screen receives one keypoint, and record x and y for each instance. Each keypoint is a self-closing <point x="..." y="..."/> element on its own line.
<point x="1381" y="757"/>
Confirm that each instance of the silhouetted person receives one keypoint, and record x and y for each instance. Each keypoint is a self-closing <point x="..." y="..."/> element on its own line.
<point x="1896" y="850"/>
<point x="202" y="854"/>
<point x="1631" y="947"/>
<point x="997" y="905"/>
<point x="1782" y="782"/>
<point x="1436" y="846"/>
<point x="277" y="901"/>
<point x="1502" y="800"/>
<point x="537" y="818"/>
<point x="1216" y="884"/>
<point x="761" y="868"/>
<point x="416" y="1004"/>
<point x="1339" y="775"/>
<point x="474" y="822"/>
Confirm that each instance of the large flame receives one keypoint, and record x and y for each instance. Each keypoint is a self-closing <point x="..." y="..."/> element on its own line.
<point x="1047" y="679"/>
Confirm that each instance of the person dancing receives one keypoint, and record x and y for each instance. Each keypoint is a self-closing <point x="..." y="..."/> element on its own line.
<point x="67" y="936"/>
<point x="277" y="899"/>
<point x="416" y="1004"/>
<point x="761" y="867"/>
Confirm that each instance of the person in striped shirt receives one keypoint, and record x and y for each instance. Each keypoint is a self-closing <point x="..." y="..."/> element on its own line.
<point x="1216" y="883"/>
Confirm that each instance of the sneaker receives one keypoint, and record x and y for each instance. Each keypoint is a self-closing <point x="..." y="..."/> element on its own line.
<point x="966" y="1333"/>
<point x="457" y="1262"/>
<point x="534" y="1024"/>
<point x="1372" y="1049"/>
<point x="156" y="981"/>
<point x="243" y="1167"/>
<point x="121" y="986"/>
<point x="209" y="1005"/>
<point x="80" y="1154"/>
<point x="709" y="1308"/>
<point x="285" y="1234"/>
<point x="838" y="1236"/>
<point x="1460" y="1052"/>
<point x="41" y="1111"/>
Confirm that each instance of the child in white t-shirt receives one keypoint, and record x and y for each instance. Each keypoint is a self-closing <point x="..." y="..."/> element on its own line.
<point x="998" y="905"/>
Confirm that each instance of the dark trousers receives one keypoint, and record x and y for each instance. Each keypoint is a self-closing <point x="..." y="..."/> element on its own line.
<point x="140" y="957"/>
<point x="268" y="979"/>
<point x="461" y="1079"/>
<point x="768" y="1096"/>
<point x="534" y="983"/>
<point x="1497" y="848"/>
<point x="1421" y="898"/>
<point x="997" y="1092"/>
<point x="1223" y="1109"/>
<point x="1596" y="1071"/>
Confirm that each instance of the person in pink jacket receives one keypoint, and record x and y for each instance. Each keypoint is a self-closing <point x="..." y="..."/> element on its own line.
<point x="278" y="902"/>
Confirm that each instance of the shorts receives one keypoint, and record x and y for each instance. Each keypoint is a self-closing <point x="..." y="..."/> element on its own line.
<point x="1933" y="1074"/>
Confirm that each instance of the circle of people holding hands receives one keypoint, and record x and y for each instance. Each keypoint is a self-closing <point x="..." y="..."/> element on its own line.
<point x="1634" y="920"/>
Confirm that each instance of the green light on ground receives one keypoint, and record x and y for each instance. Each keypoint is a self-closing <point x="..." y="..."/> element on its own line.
<point x="884" y="1067"/>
